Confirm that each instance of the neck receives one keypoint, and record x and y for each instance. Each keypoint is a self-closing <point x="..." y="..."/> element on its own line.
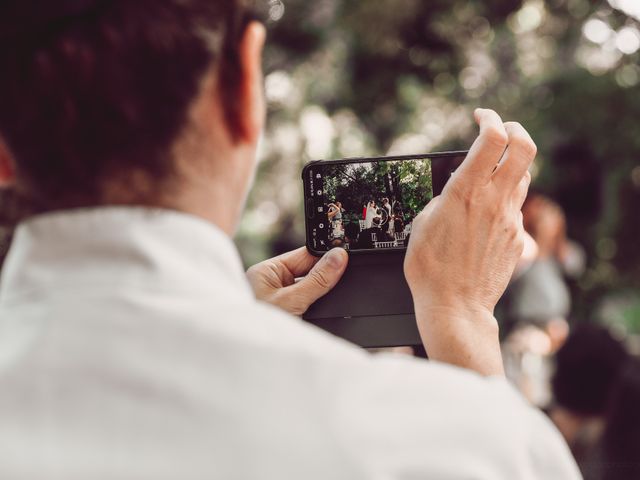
<point x="213" y="201"/>
<point x="215" y="187"/>
<point x="213" y="194"/>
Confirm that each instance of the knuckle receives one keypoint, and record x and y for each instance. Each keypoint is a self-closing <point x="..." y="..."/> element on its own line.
<point x="321" y="278"/>
<point x="523" y="186"/>
<point x="514" y="231"/>
<point x="253" y="272"/>
<point x="496" y="136"/>
<point x="470" y="201"/>
<point x="519" y="242"/>
<point x="530" y="148"/>
<point x="524" y="144"/>
<point x="515" y="226"/>
<point x="295" y="306"/>
<point x="507" y="223"/>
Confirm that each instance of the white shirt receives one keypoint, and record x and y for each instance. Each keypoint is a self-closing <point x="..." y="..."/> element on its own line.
<point x="131" y="347"/>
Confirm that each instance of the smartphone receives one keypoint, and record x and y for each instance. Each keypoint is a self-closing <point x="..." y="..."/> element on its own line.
<point x="368" y="204"/>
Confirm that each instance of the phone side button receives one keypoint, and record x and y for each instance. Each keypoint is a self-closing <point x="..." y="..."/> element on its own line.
<point x="310" y="211"/>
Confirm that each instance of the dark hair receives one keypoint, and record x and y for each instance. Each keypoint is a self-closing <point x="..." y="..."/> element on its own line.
<point x="95" y="88"/>
<point x="587" y="367"/>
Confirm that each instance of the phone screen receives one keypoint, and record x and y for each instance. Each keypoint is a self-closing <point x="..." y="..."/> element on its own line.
<point x="370" y="204"/>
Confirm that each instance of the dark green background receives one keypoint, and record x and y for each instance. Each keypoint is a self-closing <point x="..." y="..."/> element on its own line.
<point x="351" y="78"/>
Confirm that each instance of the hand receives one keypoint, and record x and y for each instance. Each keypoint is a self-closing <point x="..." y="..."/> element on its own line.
<point x="465" y="244"/>
<point x="528" y="257"/>
<point x="274" y="280"/>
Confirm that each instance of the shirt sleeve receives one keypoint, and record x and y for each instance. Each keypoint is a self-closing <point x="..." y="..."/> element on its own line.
<point x="404" y="418"/>
<point x="397" y="417"/>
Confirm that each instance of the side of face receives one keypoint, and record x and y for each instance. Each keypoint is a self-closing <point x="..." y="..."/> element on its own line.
<point x="252" y="102"/>
<point x="219" y="158"/>
<point x="252" y="114"/>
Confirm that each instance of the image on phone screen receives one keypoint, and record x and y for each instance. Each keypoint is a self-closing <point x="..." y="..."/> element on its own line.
<point x="367" y="205"/>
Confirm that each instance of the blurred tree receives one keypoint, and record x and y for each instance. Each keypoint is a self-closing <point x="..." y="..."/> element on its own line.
<point x="352" y="78"/>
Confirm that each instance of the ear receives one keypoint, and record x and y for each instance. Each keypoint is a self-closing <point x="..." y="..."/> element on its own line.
<point x="7" y="166"/>
<point x="252" y="103"/>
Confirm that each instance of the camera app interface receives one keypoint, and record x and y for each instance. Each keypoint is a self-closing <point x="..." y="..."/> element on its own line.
<point x="368" y="205"/>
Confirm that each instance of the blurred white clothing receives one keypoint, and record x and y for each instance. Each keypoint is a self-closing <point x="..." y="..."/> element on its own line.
<point x="372" y="212"/>
<point x="131" y="347"/>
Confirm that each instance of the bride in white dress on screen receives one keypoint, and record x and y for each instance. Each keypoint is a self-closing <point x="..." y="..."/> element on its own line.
<point x="372" y="212"/>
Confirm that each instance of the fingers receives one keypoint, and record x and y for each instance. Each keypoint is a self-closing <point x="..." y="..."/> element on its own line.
<point x="521" y="191"/>
<point x="518" y="157"/>
<point x="530" y="252"/>
<point x="426" y="211"/>
<point x="486" y="151"/>
<point x="298" y="262"/>
<point x="322" y="278"/>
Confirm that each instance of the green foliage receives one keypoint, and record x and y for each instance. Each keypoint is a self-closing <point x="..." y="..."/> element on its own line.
<point x="354" y="185"/>
<point x="403" y="76"/>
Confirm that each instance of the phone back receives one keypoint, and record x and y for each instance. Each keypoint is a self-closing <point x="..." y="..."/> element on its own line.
<point x="371" y="305"/>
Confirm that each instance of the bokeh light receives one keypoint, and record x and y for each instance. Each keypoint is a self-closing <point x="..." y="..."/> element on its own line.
<point x="348" y="79"/>
<point x="628" y="40"/>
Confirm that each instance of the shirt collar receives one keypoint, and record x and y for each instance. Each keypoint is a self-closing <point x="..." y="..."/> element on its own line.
<point x="123" y="245"/>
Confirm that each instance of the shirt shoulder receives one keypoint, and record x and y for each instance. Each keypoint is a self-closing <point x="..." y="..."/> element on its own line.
<point x="408" y="417"/>
<point x="405" y="416"/>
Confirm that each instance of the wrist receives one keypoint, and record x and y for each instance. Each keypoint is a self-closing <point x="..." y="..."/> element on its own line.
<point x="477" y="316"/>
<point x="462" y="335"/>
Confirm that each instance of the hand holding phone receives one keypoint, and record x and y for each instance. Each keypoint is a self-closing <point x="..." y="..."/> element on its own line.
<point x="294" y="280"/>
<point x="465" y="245"/>
<point x="366" y="206"/>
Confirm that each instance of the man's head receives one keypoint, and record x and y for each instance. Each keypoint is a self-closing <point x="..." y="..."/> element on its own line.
<point x="153" y="102"/>
<point x="587" y="366"/>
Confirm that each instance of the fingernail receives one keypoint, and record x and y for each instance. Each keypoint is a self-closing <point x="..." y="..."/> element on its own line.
<point x="335" y="258"/>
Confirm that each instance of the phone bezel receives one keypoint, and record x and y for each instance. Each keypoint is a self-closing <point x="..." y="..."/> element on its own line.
<point x="343" y="161"/>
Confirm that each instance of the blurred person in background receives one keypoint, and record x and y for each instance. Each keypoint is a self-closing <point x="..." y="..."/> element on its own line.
<point x="618" y="454"/>
<point x="133" y="344"/>
<point x="538" y="301"/>
<point x="540" y="296"/>
<point x="587" y="368"/>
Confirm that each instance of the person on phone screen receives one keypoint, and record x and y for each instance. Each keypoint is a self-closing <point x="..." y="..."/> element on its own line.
<point x="372" y="212"/>
<point x="387" y="217"/>
<point x="370" y="237"/>
<point x="132" y="342"/>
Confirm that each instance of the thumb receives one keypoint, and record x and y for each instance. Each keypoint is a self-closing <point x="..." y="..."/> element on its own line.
<point x="321" y="278"/>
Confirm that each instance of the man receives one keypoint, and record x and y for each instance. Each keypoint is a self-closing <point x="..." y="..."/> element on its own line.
<point x="334" y="214"/>
<point x="588" y="367"/>
<point x="387" y="208"/>
<point x="369" y="236"/>
<point x="132" y="344"/>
